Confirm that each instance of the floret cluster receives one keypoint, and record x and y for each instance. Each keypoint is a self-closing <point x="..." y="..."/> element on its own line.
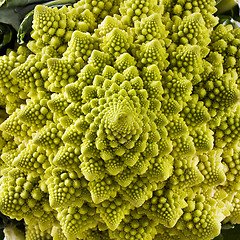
<point x="123" y="122"/>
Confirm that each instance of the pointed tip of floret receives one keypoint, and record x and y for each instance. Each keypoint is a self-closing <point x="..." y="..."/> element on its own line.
<point x="40" y="9"/>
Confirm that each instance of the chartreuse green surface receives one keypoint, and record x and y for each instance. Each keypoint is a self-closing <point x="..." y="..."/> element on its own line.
<point x="123" y="122"/>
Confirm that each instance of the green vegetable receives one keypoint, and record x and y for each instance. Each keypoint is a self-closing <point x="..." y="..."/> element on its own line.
<point x="26" y="24"/>
<point x="123" y="122"/>
<point x="17" y="16"/>
<point x="12" y="12"/>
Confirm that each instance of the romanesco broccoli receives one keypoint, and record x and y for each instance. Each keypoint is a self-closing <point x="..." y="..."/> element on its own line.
<point x="122" y="122"/>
